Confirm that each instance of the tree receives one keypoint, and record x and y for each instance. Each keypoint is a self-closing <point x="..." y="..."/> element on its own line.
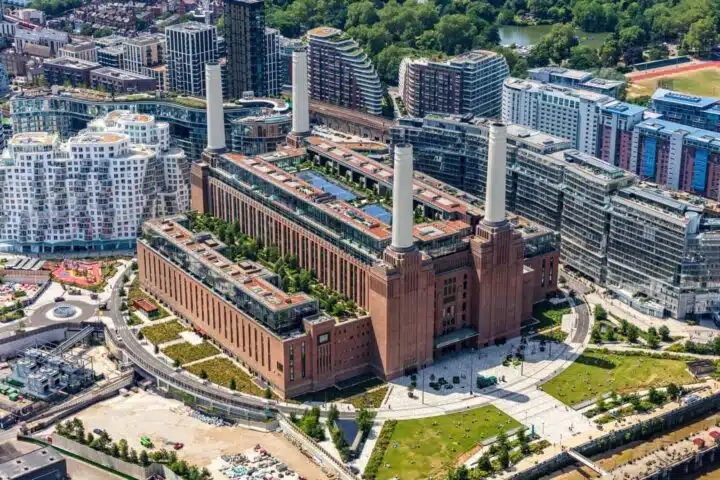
<point x="123" y="448"/>
<point x="584" y="57"/>
<point x="90" y="439"/>
<point x="658" y="52"/>
<point x="268" y="393"/>
<point x="634" y="36"/>
<point x="157" y="349"/>
<point x="558" y="42"/>
<point x="133" y="457"/>
<point x="364" y="420"/>
<point x="595" y="335"/>
<point x="600" y="404"/>
<point x="203" y="374"/>
<point x="624" y="327"/>
<point x="652" y="338"/>
<point x="633" y="333"/>
<point x="144" y="460"/>
<point x="665" y="333"/>
<point x="455" y="34"/>
<point x="140" y="335"/>
<point x="504" y="456"/>
<point x="361" y="13"/>
<point x="674" y="391"/>
<point x="115" y="450"/>
<point x="715" y="345"/>
<point x="176" y="363"/>
<point x="655" y="396"/>
<point x="233" y="384"/>
<point x="599" y="313"/>
<point x="609" y="52"/>
<point x="701" y="37"/>
<point x="333" y="414"/>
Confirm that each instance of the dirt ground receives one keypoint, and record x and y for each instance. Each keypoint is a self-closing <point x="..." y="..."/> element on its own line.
<point x="165" y="420"/>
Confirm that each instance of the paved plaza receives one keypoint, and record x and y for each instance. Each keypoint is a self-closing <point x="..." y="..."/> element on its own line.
<point x="518" y="395"/>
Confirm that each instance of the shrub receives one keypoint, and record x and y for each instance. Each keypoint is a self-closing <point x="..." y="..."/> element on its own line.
<point x="378" y="452"/>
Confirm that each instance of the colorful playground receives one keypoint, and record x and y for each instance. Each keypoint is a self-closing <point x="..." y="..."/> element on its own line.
<point x="79" y="273"/>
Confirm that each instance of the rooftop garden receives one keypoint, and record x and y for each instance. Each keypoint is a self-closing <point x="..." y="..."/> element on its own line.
<point x="292" y="278"/>
<point x="163" y="332"/>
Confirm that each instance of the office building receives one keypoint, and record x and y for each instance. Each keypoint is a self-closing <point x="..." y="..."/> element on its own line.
<point x="677" y="156"/>
<point x="340" y="73"/>
<point x="588" y="186"/>
<point x="664" y="253"/>
<point x="120" y="81"/>
<point x="560" y="111"/>
<point x="246" y="47"/>
<point x="113" y="57"/>
<point x="83" y="51"/>
<point x="566" y="77"/>
<point x="272" y="62"/>
<point x="617" y="120"/>
<point x="92" y="192"/>
<point x="691" y="110"/>
<point x="68" y="70"/>
<point x="189" y="47"/>
<point x="470" y="83"/>
<point x="143" y="52"/>
<point x="459" y="291"/>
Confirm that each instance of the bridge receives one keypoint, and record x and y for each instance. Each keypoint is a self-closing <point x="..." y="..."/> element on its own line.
<point x="590" y="464"/>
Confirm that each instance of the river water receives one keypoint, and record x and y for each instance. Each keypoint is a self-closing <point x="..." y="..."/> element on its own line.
<point x="530" y="35"/>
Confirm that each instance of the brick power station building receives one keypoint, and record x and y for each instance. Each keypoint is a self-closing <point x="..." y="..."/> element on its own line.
<point x="464" y="279"/>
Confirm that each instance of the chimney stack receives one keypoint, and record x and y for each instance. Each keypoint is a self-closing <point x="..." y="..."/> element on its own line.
<point x="301" y="114"/>
<point x="215" y="115"/>
<point x="496" y="173"/>
<point x="402" y="220"/>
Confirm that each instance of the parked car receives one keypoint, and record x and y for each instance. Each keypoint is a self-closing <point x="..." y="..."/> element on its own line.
<point x="178" y="446"/>
<point x="59" y="299"/>
<point x="97" y="431"/>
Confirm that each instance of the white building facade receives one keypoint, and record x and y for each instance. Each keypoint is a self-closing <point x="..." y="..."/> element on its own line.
<point x="563" y="112"/>
<point x="93" y="192"/>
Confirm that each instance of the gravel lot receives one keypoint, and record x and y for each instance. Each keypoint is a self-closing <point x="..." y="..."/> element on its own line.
<point x="164" y="420"/>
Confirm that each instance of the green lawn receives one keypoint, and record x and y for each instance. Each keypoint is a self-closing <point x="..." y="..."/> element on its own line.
<point x="222" y="370"/>
<point x="186" y="352"/>
<point x="548" y="315"/>
<point x="371" y="399"/>
<point x="595" y="373"/>
<point x="699" y="82"/>
<point x="427" y="446"/>
<point x="163" y="332"/>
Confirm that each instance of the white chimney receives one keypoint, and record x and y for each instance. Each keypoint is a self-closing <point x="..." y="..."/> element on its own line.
<point x="215" y="116"/>
<point x="497" y="159"/>
<point x="402" y="215"/>
<point x="301" y="114"/>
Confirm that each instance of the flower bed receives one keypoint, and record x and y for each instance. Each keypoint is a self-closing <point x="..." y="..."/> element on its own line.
<point x="221" y="371"/>
<point x="163" y="332"/>
<point x="186" y="352"/>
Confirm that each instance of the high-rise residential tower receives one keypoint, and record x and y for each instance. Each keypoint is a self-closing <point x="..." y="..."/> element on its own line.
<point x="340" y="73"/>
<point x="189" y="47"/>
<point x="469" y="83"/>
<point x="246" y="47"/>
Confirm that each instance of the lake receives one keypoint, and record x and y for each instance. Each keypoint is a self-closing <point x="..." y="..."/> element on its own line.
<point x="530" y="35"/>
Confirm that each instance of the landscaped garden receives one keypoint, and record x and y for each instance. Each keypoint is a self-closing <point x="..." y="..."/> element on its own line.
<point x="370" y="399"/>
<point x="548" y="315"/>
<point x="596" y="372"/>
<point x="223" y="371"/>
<point x="426" y="447"/>
<point x="163" y="332"/>
<point x="186" y="352"/>
<point x="136" y="293"/>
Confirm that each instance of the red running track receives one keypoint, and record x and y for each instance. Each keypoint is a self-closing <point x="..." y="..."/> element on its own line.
<point x="672" y="70"/>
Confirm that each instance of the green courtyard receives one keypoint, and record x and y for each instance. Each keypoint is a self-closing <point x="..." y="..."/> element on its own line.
<point x="425" y="447"/>
<point x="594" y="373"/>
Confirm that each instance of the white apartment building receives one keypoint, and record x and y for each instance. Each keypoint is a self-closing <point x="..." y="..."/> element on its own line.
<point x="189" y="47"/>
<point x="92" y="192"/>
<point x="560" y="111"/>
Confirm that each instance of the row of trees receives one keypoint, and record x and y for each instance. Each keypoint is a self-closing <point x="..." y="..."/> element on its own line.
<point x="75" y="430"/>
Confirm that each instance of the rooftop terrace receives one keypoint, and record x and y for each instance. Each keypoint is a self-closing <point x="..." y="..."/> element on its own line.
<point x="248" y="276"/>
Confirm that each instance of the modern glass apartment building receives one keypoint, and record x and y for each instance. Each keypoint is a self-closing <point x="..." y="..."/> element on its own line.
<point x="246" y="47"/>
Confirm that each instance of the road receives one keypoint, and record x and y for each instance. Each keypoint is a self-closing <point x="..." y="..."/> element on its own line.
<point x="254" y="407"/>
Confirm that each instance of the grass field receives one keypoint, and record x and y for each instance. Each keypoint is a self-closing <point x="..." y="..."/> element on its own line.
<point x="186" y="352"/>
<point x="222" y="370"/>
<point x="704" y="82"/>
<point x="548" y="315"/>
<point x="595" y="373"/>
<point x="163" y="332"/>
<point x="425" y="447"/>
